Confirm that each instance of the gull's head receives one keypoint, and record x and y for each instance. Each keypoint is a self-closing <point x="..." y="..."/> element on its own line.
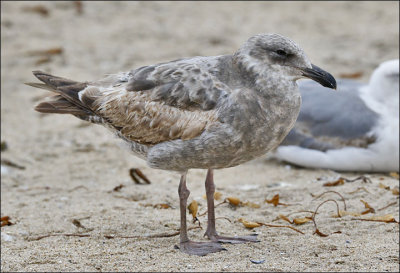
<point x="266" y="53"/>
<point x="384" y="82"/>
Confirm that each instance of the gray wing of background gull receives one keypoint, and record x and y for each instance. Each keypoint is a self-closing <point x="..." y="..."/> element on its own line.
<point x="331" y="120"/>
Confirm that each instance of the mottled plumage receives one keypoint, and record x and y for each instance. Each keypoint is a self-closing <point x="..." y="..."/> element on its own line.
<point x="201" y="112"/>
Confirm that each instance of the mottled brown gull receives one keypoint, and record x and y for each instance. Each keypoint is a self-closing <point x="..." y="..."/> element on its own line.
<point x="201" y="112"/>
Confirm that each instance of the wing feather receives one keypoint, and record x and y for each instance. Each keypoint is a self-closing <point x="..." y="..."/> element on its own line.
<point x="167" y="101"/>
<point x="185" y="84"/>
<point x="149" y="105"/>
<point x="149" y="122"/>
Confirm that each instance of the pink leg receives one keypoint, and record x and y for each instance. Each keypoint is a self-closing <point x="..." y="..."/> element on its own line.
<point x="187" y="246"/>
<point x="211" y="232"/>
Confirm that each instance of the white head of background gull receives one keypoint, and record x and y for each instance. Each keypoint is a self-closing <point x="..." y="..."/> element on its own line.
<point x="354" y="129"/>
<point x="382" y="92"/>
<point x="202" y="112"/>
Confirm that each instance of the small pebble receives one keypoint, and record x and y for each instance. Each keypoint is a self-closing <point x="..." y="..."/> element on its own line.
<point x="4" y="170"/>
<point x="257" y="262"/>
<point x="4" y="146"/>
<point x="6" y="237"/>
<point x="248" y="187"/>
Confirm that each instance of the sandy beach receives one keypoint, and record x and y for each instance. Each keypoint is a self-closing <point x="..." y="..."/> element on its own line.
<point x="65" y="184"/>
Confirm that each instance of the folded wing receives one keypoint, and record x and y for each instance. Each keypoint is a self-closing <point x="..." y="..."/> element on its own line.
<point x="149" y="105"/>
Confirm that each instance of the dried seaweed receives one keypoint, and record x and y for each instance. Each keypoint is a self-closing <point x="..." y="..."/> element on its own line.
<point x="5" y="221"/>
<point x="313" y="217"/>
<point x="11" y="164"/>
<point x="138" y="177"/>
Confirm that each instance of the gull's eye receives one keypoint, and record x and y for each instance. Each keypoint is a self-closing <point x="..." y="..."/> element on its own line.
<point x="281" y="52"/>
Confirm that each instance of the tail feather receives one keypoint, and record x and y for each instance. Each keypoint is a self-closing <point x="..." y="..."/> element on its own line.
<point x="51" y="80"/>
<point x="58" y="104"/>
<point x="67" y="101"/>
<point x="40" y="85"/>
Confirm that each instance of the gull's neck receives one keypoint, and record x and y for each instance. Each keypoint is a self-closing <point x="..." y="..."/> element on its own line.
<point x="382" y="105"/>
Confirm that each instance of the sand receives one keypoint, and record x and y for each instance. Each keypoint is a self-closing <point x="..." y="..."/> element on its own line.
<point x="71" y="168"/>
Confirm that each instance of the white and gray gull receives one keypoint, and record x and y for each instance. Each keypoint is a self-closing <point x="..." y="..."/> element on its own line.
<point x="201" y="112"/>
<point x="355" y="129"/>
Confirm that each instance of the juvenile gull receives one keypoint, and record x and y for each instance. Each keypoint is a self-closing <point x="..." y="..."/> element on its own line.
<point x="201" y="112"/>
<point x="355" y="129"/>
